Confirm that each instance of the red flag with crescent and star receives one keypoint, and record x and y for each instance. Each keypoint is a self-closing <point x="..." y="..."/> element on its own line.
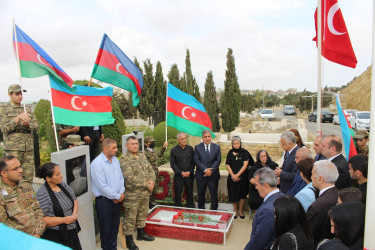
<point x="336" y="45"/>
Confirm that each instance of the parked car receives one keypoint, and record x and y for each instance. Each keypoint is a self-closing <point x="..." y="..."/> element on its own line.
<point x="347" y="112"/>
<point x="289" y="110"/>
<point x="327" y="116"/>
<point x="267" y="113"/>
<point x="360" y="120"/>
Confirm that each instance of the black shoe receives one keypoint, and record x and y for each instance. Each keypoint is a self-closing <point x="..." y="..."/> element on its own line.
<point x="152" y="204"/>
<point x="235" y="217"/>
<point x="242" y="216"/>
<point x="143" y="236"/>
<point x="130" y="243"/>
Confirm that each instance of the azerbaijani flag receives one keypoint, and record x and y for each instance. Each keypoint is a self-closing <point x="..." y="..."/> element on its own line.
<point x="86" y="106"/>
<point x="114" y="67"/>
<point x="346" y="130"/>
<point x="185" y="113"/>
<point x="35" y="62"/>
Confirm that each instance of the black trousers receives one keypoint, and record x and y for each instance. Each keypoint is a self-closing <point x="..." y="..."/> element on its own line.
<point x="55" y="236"/>
<point x="94" y="144"/>
<point x="179" y="184"/>
<point x="109" y="221"/>
<point x="212" y="186"/>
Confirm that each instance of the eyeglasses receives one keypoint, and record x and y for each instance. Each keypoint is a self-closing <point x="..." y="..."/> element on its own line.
<point x="14" y="169"/>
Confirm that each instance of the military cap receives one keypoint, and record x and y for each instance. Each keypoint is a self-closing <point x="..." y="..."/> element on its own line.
<point x="14" y="88"/>
<point x="360" y="134"/>
<point x="74" y="139"/>
<point x="149" y="139"/>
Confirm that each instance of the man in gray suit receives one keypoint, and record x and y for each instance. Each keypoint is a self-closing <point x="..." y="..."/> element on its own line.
<point x="207" y="158"/>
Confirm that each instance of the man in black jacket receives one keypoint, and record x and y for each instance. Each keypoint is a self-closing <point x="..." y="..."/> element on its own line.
<point x="92" y="137"/>
<point x="332" y="147"/>
<point x="182" y="163"/>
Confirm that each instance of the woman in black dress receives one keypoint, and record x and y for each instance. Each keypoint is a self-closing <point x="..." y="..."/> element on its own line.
<point x="237" y="184"/>
<point x="263" y="160"/>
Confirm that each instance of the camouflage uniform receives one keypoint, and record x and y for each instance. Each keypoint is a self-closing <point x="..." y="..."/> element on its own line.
<point x="18" y="139"/>
<point x="363" y="151"/>
<point x="137" y="172"/>
<point x="152" y="157"/>
<point x="62" y="142"/>
<point x="19" y="208"/>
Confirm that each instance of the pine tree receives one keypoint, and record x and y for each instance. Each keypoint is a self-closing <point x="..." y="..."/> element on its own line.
<point x="210" y="102"/>
<point x="161" y="86"/>
<point x="174" y="76"/>
<point x="147" y="102"/>
<point x="231" y="103"/>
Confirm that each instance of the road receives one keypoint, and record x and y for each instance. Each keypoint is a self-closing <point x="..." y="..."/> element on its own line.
<point x="327" y="128"/>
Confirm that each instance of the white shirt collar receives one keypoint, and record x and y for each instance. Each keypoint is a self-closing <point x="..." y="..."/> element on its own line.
<point x="270" y="193"/>
<point x="290" y="151"/>
<point x="333" y="157"/>
<point x="150" y="149"/>
<point x="325" y="189"/>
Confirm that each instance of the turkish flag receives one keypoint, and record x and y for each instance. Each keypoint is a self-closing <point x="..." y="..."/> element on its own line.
<point x="336" y="45"/>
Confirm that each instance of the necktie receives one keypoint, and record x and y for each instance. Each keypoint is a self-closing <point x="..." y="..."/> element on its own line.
<point x="207" y="153"/>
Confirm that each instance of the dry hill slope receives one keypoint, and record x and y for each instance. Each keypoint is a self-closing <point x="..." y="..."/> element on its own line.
<point x="357" y="93"/>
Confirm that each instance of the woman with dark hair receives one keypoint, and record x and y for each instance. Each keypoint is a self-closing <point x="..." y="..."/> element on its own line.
<point x="299" y="141"/>
<point x="307" y="194"/>
<point x="60" y="207"/>
<point x="291" y="225"/>
<point x="237" y="161"/>
<point x="263" y="160"/>
<point x="347" y="223"/>
<point x="349" y="194"/>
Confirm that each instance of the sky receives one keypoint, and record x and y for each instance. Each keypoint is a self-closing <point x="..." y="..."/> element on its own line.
<point x="271" y="39"/>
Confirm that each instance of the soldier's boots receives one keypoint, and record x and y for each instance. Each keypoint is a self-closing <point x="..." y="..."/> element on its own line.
<point x="130" y="243"/>
<point x="143" y="236"/>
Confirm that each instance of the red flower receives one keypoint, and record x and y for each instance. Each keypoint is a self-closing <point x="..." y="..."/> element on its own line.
<point x="200" y="218"/>
<point x="190" y="218"/>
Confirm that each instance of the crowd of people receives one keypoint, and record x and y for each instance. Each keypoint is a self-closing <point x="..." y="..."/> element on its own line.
<point x="305" y="203"/>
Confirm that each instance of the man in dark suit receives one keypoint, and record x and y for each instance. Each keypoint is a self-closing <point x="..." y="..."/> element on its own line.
<point x="332" y="147"/>
<point x="207" y="158"/>
<point x="289" y="168"/>
<point x="263" y="228"/>
<point x="324" y="176"/>
<point x="298" y="183"/>
<point x="92" y="137"/>
<point x="318" y="148"/>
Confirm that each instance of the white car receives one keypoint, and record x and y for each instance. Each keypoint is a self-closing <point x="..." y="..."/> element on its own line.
<point x="360" y="120"/>
<point x="267" y="113"/>
<point x="347" y="112"/>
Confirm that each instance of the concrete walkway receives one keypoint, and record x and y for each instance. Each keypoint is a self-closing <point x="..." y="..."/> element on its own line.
<point x="238" y="238"/>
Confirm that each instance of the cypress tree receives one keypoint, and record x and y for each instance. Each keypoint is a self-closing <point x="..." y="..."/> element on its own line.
<point x="183" y="85"/>
<point x="174" y="76"/>
<point x="196" y="93"/>
<point x="161" y="86"/>
<point x="231" y="103"/>
<point x="188" y="76"/>
<point x="147" y="102"/>
<point x="210" y="102"/>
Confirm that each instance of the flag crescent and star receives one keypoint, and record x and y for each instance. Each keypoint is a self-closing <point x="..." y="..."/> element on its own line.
<point x="84" y="103"/>
<point x="336" y="44"/>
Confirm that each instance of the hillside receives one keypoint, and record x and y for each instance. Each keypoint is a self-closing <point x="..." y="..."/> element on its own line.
<point x="358" y="93"/>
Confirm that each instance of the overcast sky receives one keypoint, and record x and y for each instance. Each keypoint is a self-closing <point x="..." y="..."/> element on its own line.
<point x="271" y="39"/>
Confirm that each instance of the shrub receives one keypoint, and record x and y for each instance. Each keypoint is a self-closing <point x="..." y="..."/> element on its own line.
<point x="159" y="134"/>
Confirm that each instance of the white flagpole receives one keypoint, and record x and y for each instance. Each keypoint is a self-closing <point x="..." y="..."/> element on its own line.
<point x="369" y="242"/>
<point x="166" y="116"/>
<point x="319" y="93"/>
<point x="53" y="118"/>
<point x="15" y="45"/>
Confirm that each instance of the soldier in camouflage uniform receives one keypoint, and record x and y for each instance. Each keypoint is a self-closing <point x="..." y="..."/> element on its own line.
<point x="139" y="183"/>
<point x="63" y="131"/>
<point x="19" y="208"/>
<point x="152" y="157"/>
<point x="17" y="127"/>
<point x="362" y="138"/>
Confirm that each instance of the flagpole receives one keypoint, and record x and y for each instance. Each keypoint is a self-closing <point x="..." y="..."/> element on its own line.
<point x="90" y="82"/>
<point x="15" y="45"/>
<point x="53" y="118"/>
<point x="166" y="116"/>
<point x="319" y="93"/>
<point x="369" y="241"/>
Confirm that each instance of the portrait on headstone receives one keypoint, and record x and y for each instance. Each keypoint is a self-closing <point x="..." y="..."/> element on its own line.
<point x="76" y="174"/>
